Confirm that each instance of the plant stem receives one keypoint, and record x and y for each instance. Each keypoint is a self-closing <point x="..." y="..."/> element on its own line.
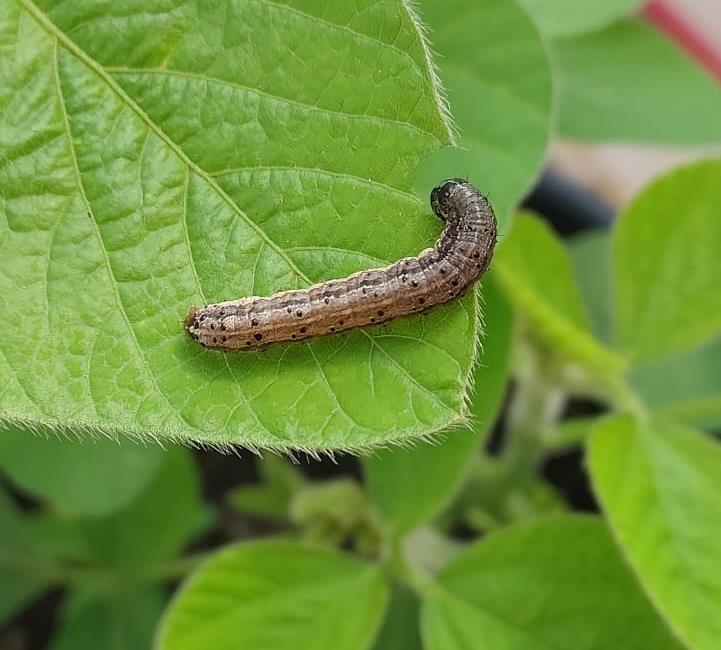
<point x="109" y="576"/>
<point x="415" y="579"/>
<point x="536" y="405"/>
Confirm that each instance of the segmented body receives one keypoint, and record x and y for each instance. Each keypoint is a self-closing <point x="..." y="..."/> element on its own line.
<point x="412" y="285"/>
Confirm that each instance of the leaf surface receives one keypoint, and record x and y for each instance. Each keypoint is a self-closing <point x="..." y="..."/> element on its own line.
<point x="556" y="584"/>
<point x="91" y="477"/>
<point x="117" y="620"/>
<point x="536" y="274"/>
<point x="155" y="526"/>
<point x="685" y="387"/>
<point x="660" y="486"/>
<point x="166" y="154"/>
<point x="25" y="568"/>
<point x="496" y="70"/>
<point x="276" y="596"/>
<point x="566" y="17"/>
<point x="627" y="82"/>
<point x="667" y="267"/>
<point x="590" y="254"/>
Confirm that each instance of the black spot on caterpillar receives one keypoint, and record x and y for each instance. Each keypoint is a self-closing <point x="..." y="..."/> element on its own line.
<point x="410" y="286"/>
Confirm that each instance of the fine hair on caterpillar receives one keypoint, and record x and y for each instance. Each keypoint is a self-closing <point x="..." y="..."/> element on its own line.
<point x="411" y="285"/>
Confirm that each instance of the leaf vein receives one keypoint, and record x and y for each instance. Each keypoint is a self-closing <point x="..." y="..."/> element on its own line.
<point x="118" y="71"/>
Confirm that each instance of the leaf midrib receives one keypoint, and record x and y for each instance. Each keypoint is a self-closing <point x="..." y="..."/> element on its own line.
<point x="185" y="74"/>
<point x="442" y="592"/>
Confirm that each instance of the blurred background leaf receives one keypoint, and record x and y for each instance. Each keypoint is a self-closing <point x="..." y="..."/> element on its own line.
<point x="272" y="496"/>
<point x="498" y="81"/>
<point x="535" y="272"/>
<point x="157" y="525"/>
<point x="276" y="595"/>
<point x="565" y="17"/>
<point x="667" y="267"/>
<point x="557" y="583"/>
<point x="123" y="619"/>
<point x="627" y="82"/>
<point x="26" y="570"/>
<point x="686" y="387"/>
<point x="590" y="253"/>
<point x="401" y="626"/>
<point x="660" y="488"/>
<point x="82" y="476"/>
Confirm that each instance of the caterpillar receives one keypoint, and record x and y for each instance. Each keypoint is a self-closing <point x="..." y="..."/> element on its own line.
<point x="411" y="285"/>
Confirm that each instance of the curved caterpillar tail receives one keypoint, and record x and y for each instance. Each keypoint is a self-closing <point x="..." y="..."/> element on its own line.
<point x="412" y="285"/>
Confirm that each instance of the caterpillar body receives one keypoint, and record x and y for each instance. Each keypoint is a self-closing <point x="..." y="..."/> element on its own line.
<point x="412" y="285"/>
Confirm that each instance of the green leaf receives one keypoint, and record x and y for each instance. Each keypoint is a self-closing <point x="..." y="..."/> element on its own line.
<point x="161" y="156"/>
<point x="590" y="254"/>
<point x="279" y="481"/>
<point x="400" y="629"/>
<point x="628" y="82"/>
<point x="93" y="477"/>
<point x="565" y="17"/>
<point x="57" y="536"/>
<point x="660" y="486"/>
<point x="276" y="595"/>
<point x="555" y="584"/>
<point x="572" y="432"/>
<point x="667" y="263"/>
<point x="117" y="620"/>
<point x="409" y="486"/>
<point x="535" y="272"/>
<point x="496" y="70"/>
<point x="332" y="513"/>
<point x="157" y="525"/>
<point x="25" y="570"/>
<point x="686" y="387"/>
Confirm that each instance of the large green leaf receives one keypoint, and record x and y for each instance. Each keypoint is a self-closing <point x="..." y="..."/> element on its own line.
<point x="535" y="272"/>
<point x="163" y="154"/>
<point x="496" y="70"/>
<point x="276" y="596"/>
<point x="564" y="17"/>
<point x="118" y="620"/>
<point x="558" y="584"/>
<point x="660" y="486"/>
<point x="667" y="264"/>
<point x="409" y="486"/>
<point x="628" y="82"/>
<point x="91" y="477"/>
<point x="25" y="569"/>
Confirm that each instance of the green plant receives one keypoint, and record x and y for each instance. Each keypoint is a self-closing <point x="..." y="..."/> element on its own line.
<point x="159" y="154"/>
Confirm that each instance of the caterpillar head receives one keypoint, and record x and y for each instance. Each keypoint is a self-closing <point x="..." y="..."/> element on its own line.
<point x="443" y="197"/>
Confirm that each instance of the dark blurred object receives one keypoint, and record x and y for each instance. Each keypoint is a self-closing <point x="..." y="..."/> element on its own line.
<point x="565" y="471"/>
<point x="569" y="207"/>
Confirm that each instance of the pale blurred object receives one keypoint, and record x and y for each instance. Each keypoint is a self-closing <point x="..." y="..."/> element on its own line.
<point x="615" y="171"/>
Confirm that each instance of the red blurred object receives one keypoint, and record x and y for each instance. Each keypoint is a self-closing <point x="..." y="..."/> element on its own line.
<point x="670" y="20"/>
